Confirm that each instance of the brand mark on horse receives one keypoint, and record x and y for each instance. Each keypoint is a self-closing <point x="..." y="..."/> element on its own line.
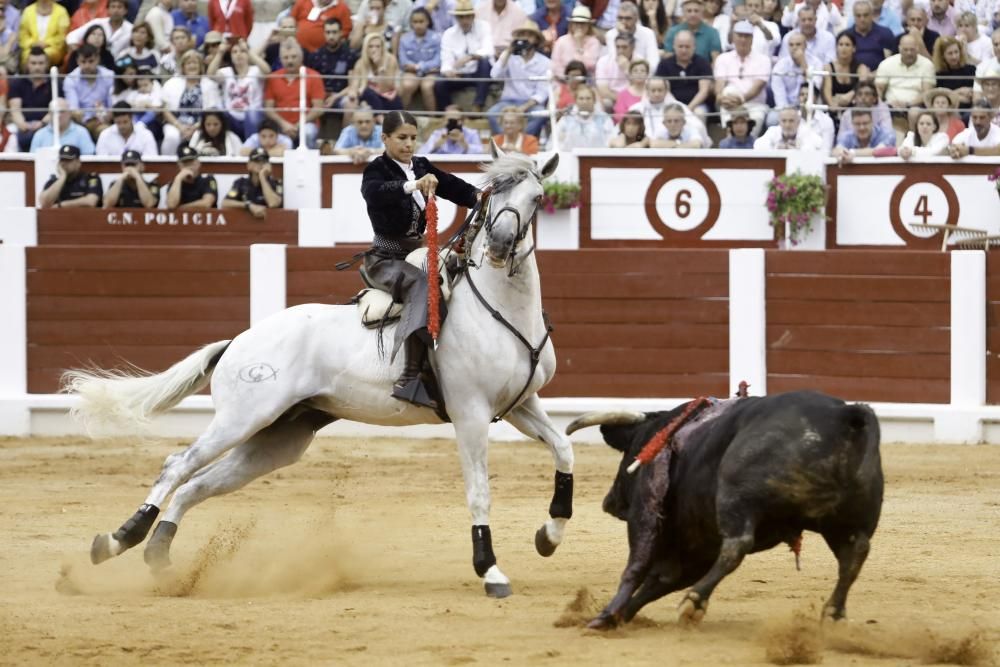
<point x="259" y="372"/>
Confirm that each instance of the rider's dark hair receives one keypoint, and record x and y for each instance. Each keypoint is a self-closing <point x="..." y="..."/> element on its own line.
<point x="394" y="119"/>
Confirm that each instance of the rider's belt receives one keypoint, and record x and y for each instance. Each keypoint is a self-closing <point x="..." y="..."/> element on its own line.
<point x="398" y="247"/>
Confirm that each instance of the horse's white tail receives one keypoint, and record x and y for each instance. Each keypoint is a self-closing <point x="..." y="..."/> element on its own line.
<point x="128" y="399"/>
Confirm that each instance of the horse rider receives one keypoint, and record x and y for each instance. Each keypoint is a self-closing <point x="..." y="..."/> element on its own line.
<point x="396" y="186"/>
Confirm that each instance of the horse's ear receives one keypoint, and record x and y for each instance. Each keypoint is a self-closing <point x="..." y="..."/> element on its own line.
<point x="550" y="166"/>
<point x="495" y="150"/>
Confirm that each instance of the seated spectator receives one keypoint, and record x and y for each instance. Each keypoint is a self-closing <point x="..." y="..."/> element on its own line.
<point x="949" y="61"/>
<point x="982" y="137"/>
<point x="186" y="16"/>
<point x="817" y="120"/>
<point x="874" y="43"/>
<point x="631" y="132"/>
<point x="390" y="15"/>
<point x="466" y="52"/>
<point x="513" y="136"/>
<point x="866" y="97"/>
<point x="789" y="133"/>
<point x="525" y="73"/>
<point x="574" y="75"/>
<point x="655" y="101"/>
<point x="373" y="79"/>
<point x="375" y="23"/>
<point x="184" y="98"/>
<point x="242" y="85"/>
<point x="864" y="139"/>
<point x="502" y="16"/>
<point x="148" y="99"/>
<point x="95" y="36"/>
<point x="845" y="71"/>
<point x="44" y="23"/>
<point x="71" y="187"/>
<point x="766" y="34"/>
<point x="927" y="140"/>
<point x="585" y="125"/>
<point x="944" y="104"/>
<point x="827" y="16"/>
<point x="611" y="73"/>
<point x="440" y="11"/>
<point x="231" y="17"/>
<point x="310" y="17"/>
<point x="903" y="79"/>
<point x="268" y="137"/>
<point x="990" y="85"/>
<point x="741" y="77"/>
<point x="139" y="48"/>
<point x="213" y="138"/>
<point x="70" y="132"/>
<point x="602" y="13"/>
<point x="579" y="44"/>
<point x="258" y="190"/>
<point x="888" y="17"/>
<point x="653" y="15"/>
<point x="132" y="190"/>
<point x="181" y="42"/>
<point x="706" y="38"/>
<point x="454" y="138"/>
<point x="87" y="11"/>
<point x="943" y="18"/>
<point x="690" y="73"/>
<point x="718" y="19"/>
<point x="29" y="96"/>
<point x="10" y="53"/>
<point x="916" y="27"/>
<point x="161" y="24"/>
<point x="552" y="18"/>
<point x="212" y="45"/>
<point x="117" y="30"/>
<point x="630" y="95"/>
<point x="820" y="42"/>
<point x="125" y="134"/>
<point x="646" y="47"/>
<point x="739" y="130"/>
<point x="790" y="73"/>
<point x="191" y="188"/>
<point x="673" y="132"/>
<point x="419" y="60"/>
<point x="270" y="50"/>
<point x="88" y="91"/>
<point x="362" y="139"/>
<point x="977" y="46"/>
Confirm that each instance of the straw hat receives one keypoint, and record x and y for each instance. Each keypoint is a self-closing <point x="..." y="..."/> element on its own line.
<point x="529" y="27"/>
<point x="937" y="92"/>
<point x="581" y="14"/>
<point x="463" y="8"/>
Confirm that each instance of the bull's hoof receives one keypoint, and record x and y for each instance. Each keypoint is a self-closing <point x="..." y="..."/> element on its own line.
<point x="498" y="591"/>
<point x="691" y="610"/>
<point x="543" y="545"/>
<point x="604" y="622"/>
<point x="157" y="553"/>
<point x="832" y="615"/>
<point x="103" y="547"/>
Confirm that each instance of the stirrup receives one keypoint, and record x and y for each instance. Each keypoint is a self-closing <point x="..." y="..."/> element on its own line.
<point x="414" y="392"/>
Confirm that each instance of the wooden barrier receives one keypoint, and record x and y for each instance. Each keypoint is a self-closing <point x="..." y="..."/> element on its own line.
<point x="992" y="328"/>
<point x="871" y="325"/>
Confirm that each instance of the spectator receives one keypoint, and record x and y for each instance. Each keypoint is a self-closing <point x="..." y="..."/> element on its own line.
<point x="706" y="38"/>
<point x="631" y="94"/>
<point x="602" y="12"/>
<point x="992" y="62"/>
<point x="185" y="96"/>
<point x="181" y="41"/>
<point x="982" y="137"/>
<point x="268" y="137"/>
<point x="10" y="28"/>
<point x="525" y="74"/>
<point x="866" y="97"/>
<point x="631" y="132"/>
<point x="87" y="12"/>
<point x="844" y="73"/>
<point x="419" y="59"/>
<point x="953" y="71"/>
<point x="311" y="16"/>
<point x="874" y="43"/>
<point x="96" y="37"/>
<point x="186" y="16"/>
<point x="242" y="85"/>
<point x="43" y="23"/>
<point x="281" y="96"/>
<point x="990" y="84"/>
<point x="673" y="131"/>
<point x="71" y="187"/>
<point x="740" y="130"/>
<point x="943" y="18"/>
<point x="790" y="73"/>
<point x="944" y="103"/>
<point x="212" y="45"/>
<point x="148" y="98"/>
<point x="213" y="138"/>
<point x="361" y="139"/>
<point x="927" y="140"/>
<point x="503" y="16"/>
<point x="231" y="17"/>
<point x="88" y="90"/>
<point x="653" y="15"/>
<point x="29" y="97"/>
<point x="466" y="52"/>
<point x="584" y="126"/>
<point x="655" y="102"/>
<point x="552" y="18"/>
<point x="440" y="11"/>
<point x="578" y="44"/>
<point x="721" y="21"/>
<point x="190" y="188"/>
<point x="766" y="34"/>
<point x="741" y="77"/>
<point x="125" y="134"/>
<point x="334" y="61"/>
<point x="864" y="139"/>
<point x="789" y="134"/>
<point x="373" y="79"/>
<point x="132" y="190"/>
<point x="258" y="190"/>
<point x="977" y="46"/>
<point x="286" y="28"/>
<point x="817" y="120"/>
<point x="916" y="27"/>
<point x="126" y="80"/>
<point x="139" y="48"/>
<point x="645" y="46"/>
<point x="903" y="79"/>
<point x="820" y="44"/>
<point x="161" y="23"/>
<point x="825" y="17"/>
<point x="392" y="15"/>
<point x="611" y="73"/>
<point x="574" y="75"/>
<point x="690" y="73"/>
<point x="887" y="17"/>
<point x="453" y="138"/>
<point x="117" y="30"/>
<point x="513" y="137"/>
<point x="375" y="23"/>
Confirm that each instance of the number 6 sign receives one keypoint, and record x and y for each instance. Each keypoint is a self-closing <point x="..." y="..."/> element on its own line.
<point x="684" y="205"/>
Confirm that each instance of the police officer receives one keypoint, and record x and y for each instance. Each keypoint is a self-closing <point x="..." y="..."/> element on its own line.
<point x="71" y="187"/>
<point x="258" y="190"/>
<point x="132" y="190"/>
<point x="190" y="188"/>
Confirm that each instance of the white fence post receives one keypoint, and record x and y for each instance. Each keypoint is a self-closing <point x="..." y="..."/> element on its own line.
<point x="14" y="413"/>
<point x="747" y="320"/>
<point x="267" y="280"/>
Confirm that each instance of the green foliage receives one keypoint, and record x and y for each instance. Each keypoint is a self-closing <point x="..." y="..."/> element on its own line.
<point x="560" y="195"/>
<point x="794" y="199"/>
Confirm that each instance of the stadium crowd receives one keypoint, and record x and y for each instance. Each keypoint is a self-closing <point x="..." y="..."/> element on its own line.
<point x="848" y="77"/>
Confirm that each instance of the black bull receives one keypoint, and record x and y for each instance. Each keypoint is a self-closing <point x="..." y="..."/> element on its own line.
<point x="741" y="476"/>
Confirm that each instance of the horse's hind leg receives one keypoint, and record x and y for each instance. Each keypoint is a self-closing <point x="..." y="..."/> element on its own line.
<point x="280" y="444"/>
<point x="530" y="419"/>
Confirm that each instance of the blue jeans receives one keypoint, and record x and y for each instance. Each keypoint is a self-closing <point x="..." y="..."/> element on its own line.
<point x="246" y="126"/>
<point x="534" y="125"/>
<point x="444" y="87"/>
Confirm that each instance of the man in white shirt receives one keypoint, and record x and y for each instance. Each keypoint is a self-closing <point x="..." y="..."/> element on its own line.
<point x="673" y="131"/>
<point x="125" y="134"/>
<point x="820" y="44"/>
<point x="646" y="47"/>
<point x="504" y="16"/>
<point x="789" y="133"/>
<point x="766" y="34"/>
<point x="466" y="52"/>
<point x="117" y="30"/>
<point x="826" y="17"/>
<point x="655" y="102"/>
<point x="161" y="24"/>
<point x="982" y="137"/>
<point x="817" y="120"/>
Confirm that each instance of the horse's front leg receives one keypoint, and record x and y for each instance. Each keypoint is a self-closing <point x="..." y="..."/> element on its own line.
<point x="472" y="450"/>
<point x="532" y="421"/>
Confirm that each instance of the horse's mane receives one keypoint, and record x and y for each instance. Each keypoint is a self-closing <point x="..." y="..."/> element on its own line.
<point x="507" y="171"/>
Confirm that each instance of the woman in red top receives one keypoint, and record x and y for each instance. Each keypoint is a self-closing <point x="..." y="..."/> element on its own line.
<point x="231" y="17"/>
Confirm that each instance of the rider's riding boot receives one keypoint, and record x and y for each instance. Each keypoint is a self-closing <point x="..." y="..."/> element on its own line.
<point x="409" y="387"/>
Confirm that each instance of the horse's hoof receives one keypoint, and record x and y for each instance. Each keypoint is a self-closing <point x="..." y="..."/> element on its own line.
<point x="603" y="622"/>
<point x="543" y="545"/>
<point x="101" y="549"/>
<point x="691" y="610"/>
<point x="157" y="553"/>
<point x="498" y="591"/>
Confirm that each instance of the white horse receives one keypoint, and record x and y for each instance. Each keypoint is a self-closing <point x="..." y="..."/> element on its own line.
<point x="277" y="383"/>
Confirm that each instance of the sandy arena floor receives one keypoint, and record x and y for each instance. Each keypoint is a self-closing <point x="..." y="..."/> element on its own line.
<point x="360" y="554"/>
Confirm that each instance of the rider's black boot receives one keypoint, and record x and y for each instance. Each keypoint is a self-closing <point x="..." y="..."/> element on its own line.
<point x="409" y="387"/>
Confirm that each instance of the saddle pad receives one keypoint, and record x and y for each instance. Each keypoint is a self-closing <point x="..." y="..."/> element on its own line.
<point x="373" y="305"/>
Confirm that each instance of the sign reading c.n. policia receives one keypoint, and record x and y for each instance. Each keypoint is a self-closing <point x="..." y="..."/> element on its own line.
<point x="167" y="218"/>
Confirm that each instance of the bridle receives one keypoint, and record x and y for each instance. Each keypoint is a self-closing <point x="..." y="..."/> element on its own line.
<point x="522" y="233"/>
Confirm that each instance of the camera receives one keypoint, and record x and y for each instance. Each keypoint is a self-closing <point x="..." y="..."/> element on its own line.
<point x="519" y="46"/>
<point x="453" y="124"/>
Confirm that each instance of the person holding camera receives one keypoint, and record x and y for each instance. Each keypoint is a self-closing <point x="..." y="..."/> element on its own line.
<point x="453" y="138"/>
<point x="190" y="188"/>
<point x="132" y="190"/>
<point x="526" y="73"/>
<point x="258" y="190"/>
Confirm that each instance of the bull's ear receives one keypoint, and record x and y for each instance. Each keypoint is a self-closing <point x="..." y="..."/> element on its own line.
<point x="495" y="150"/>
<point x="616" y="437"/>
<point x="550" y="166"/>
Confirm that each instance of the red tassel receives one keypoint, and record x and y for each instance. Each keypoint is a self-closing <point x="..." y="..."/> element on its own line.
<point x="433" y="278"/>
<point x="662" y="437"/>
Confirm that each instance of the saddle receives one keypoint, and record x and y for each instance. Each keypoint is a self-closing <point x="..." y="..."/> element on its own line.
<point x="376" y="307"/>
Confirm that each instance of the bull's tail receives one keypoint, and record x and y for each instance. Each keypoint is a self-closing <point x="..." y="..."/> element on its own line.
<point x="865" y="435"/>
<point x="129" y="398"/>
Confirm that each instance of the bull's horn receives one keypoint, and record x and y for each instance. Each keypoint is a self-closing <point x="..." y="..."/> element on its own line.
<point x="617" y="418"/>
